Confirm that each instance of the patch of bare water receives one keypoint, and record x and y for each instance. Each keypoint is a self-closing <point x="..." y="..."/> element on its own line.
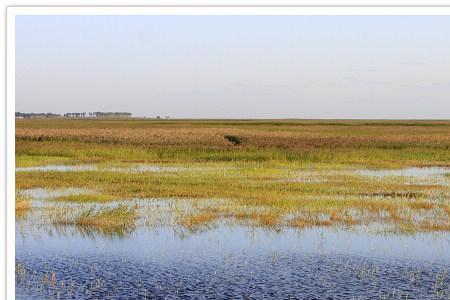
<point x="419" y="173"/>
<point x="80" y="168"/>
<point x="58" y="168"/>
<point x="146" y="168"/>
<point x="411" y="176"/>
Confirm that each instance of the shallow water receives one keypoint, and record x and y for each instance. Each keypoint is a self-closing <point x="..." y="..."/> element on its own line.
<point x="411" y="176"/>
<point x="58" y="168"/>
<point x="80" y="168"/>
<point x="227" y="262"/>
<point x="419" y="173"/>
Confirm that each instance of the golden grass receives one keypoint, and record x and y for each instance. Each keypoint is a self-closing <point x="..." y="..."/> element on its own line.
<point x="309" y="222"/>
<point x="23" y="203"/>
<point x="427" y="226"/>
<point x="268" y="220"/>
<point x="195" y="221"/>
<point x="421" y="205"/>
<point x="447" y="209"/>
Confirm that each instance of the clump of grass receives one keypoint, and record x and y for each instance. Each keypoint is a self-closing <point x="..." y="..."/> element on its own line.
<point x="122" y="216"/>
<point x="23" y="202"/>
<point x="84" y="198"/>
<point x="108" y="221"/>
<point x="233" y="139"/>
<point x="433" y="226"/>
<point x="342" y="218"/>
<point x="308" y="222"/>
<point x="421" y="205"/>
<point x="268" y="219"/>
<point x="196" y="221"/>
<point x="447" y="209"/>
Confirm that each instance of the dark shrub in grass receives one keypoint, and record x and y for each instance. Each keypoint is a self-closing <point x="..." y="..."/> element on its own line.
<point x="233" y="139"/>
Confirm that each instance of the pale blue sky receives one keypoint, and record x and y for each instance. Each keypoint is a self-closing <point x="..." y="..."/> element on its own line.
<point x="235" y="66"/>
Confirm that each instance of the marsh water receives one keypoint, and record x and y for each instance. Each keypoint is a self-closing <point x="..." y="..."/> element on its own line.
<point x="227" y="262"/>
<point x="80" y="168"/>
<point x="224" y="260"/>
<point x="230" y="262"/>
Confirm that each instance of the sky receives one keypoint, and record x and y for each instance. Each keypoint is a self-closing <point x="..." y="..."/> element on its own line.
<point x="362" y="67"/>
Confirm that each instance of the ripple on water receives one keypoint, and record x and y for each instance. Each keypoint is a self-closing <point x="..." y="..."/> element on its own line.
<point x="229" y="262"/>
<point x="290" y="275"/>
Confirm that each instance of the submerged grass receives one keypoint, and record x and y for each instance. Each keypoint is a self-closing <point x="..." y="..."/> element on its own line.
<point x="281" y="173"/>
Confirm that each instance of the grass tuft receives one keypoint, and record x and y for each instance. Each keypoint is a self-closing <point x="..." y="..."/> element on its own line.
<point x="23" y="202"/>
<point x="84" y="198"/>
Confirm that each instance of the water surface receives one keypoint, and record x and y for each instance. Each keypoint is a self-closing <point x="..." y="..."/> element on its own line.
<point x="230" y="261"/>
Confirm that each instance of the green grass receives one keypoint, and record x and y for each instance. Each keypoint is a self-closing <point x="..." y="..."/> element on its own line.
<point x="32" y="154"/>
<point x="110" y="221"/>
<point x="121" y="216"/>
<point x="84" y="198"/>
<point x="264" y="178"/>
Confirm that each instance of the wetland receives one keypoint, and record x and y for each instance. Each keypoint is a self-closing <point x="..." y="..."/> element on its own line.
<point x="166" y="209"/>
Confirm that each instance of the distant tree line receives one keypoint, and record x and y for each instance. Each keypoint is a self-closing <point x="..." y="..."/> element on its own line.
<point x="75" y="115"/>
<point x="97" y="114"/>
<point x="109" y="114"/>
<point x="36" y="115"/>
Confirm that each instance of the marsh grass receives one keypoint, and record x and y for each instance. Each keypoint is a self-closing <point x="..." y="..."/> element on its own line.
<point x="23" y="202"/>
<point x="287" y="173"/>
<point x="117" y="220"/>
<point x="263" y="202"/>
<point x="120" y="216"/>
<point x="196" y="221"/>
<point x="84" y="198"/>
